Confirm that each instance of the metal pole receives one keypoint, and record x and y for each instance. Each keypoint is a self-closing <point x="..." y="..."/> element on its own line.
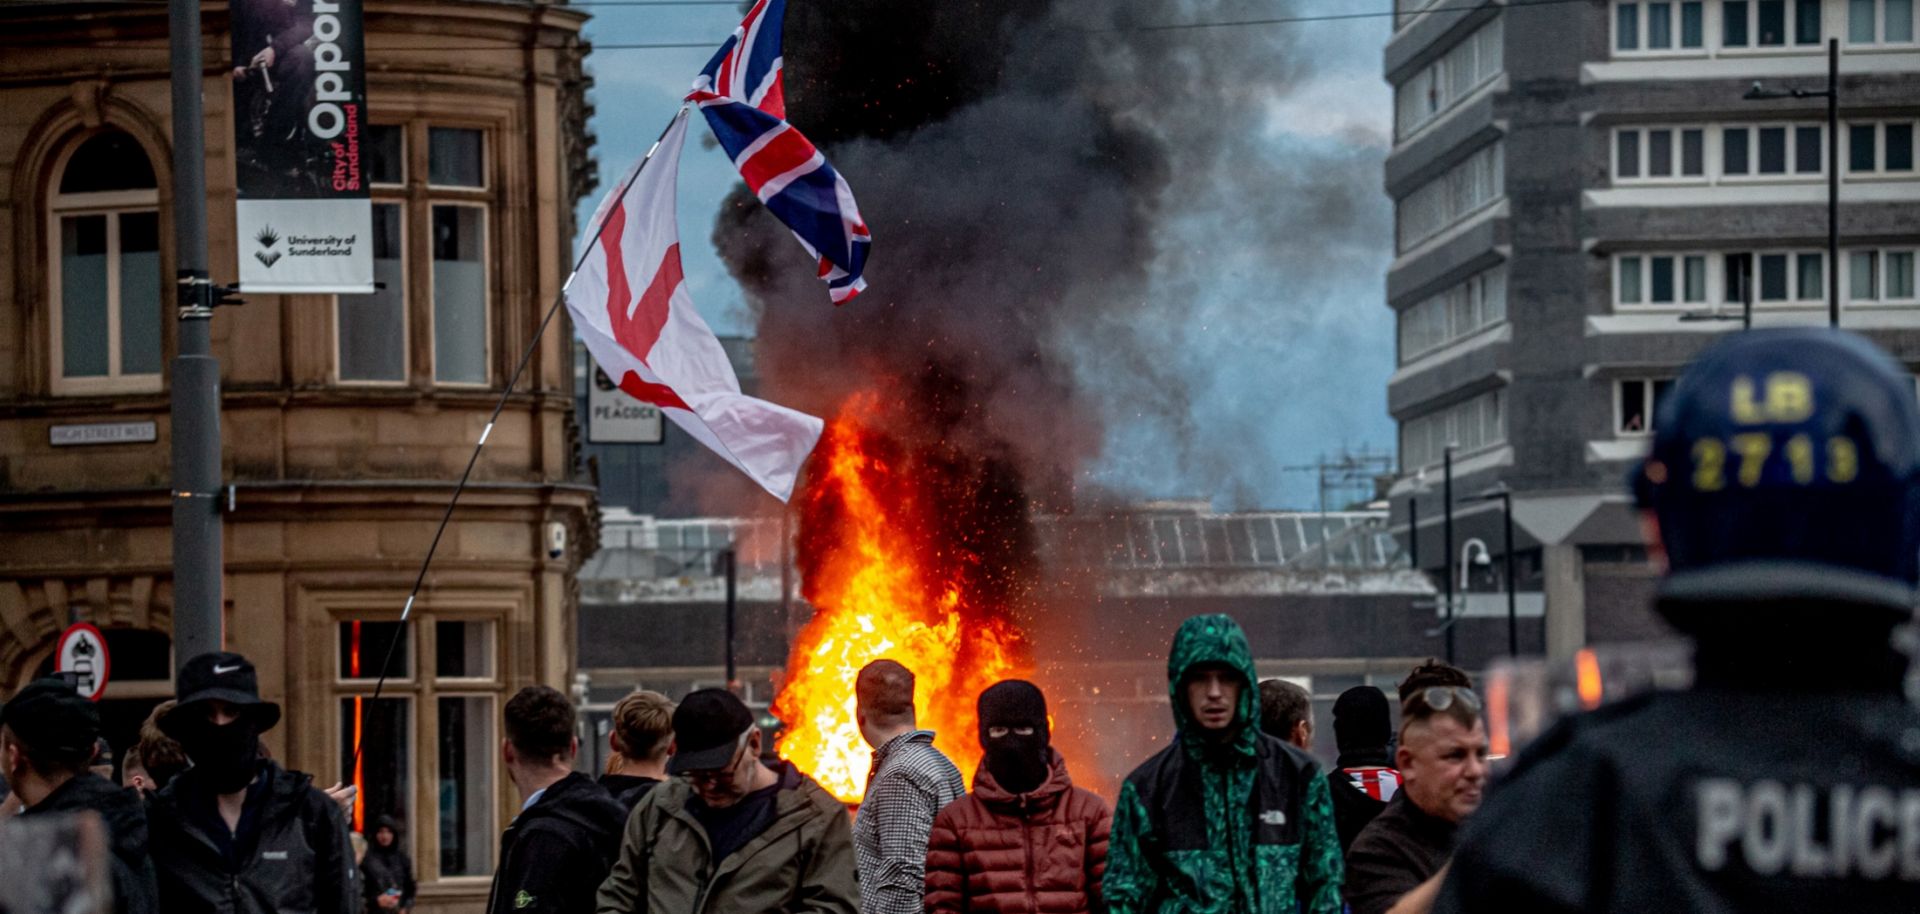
<point x="1513" y="603"/>
<point x="195" y="417"/>
<point x="1833" y="182"/>
<point x="786" y="571"/>
<point x="1413" y="531"/>
<point x="727" y="557"/>
<point x="1447" y="497"/>
<point x="1746" y="294"/>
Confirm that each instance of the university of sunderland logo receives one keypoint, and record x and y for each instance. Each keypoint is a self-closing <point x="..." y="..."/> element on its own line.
<point x="267" y="238"/>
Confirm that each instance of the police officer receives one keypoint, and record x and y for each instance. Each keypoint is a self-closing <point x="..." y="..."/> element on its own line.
<point x="1783" y="490"/>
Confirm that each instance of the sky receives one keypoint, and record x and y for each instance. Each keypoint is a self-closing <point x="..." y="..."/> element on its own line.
<point x="1283" y="347"/>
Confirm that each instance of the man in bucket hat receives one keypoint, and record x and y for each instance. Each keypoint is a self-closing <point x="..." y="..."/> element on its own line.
<point x="236" y="832"/>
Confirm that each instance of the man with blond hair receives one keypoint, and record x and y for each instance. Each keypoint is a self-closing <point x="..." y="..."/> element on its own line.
<point x="642" y="734"/>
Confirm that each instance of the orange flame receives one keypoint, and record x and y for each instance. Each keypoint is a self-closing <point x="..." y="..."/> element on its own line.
<point x="885" y="586"/>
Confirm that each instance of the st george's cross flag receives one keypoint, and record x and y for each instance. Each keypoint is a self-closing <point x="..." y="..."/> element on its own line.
<point x="630" y="305"/>
<point x="741" y="94"/>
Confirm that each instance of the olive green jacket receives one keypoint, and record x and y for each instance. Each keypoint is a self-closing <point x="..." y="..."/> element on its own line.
<point x="801" y="864"/>
<point x="1240" y="826"/>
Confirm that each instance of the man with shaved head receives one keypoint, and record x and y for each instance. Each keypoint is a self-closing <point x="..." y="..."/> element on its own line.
<point x="908" y="784"/>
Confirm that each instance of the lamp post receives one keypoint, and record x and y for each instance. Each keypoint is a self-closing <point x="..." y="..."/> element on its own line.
<point x="1832" y="94"/>
<point x="1446" y="580"/>
<point x="1505" y="496"/>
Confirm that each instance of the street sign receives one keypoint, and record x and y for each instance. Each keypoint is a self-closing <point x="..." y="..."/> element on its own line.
<point x="613" y="417"/>
<point x="83" y="652"/>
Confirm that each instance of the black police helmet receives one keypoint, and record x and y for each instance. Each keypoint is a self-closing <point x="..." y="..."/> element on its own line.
<point x="1786" y="467"/>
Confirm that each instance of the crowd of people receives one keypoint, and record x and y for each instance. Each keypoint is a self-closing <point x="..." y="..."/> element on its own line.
<point x="1795" y="577"/>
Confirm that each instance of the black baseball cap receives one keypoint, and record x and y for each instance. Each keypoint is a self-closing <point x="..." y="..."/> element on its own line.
<point x="50" y="715"/>
<point x="224" y="676"/>
<point x="707" y="729"/>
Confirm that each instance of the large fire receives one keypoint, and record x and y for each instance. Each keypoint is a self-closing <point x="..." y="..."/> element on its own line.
<point x="892" y="572"/>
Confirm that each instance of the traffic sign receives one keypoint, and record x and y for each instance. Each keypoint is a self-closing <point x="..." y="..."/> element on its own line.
<point x="83" y="652"/>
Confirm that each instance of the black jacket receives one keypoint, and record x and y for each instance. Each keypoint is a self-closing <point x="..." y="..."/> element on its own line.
<point x="1401" y="848"/>
<point x="1353" y="808"/>
<point x="1709" y="801"/>
<point x="628" y="789"/>
<point x="294" y="859"/>
<point x="386" y="868"/>
<point x="557" y="851"/>
<point x="133" y="880"/>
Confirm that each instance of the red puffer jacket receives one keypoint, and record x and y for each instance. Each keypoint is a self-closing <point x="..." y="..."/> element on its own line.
<point x="1037" y="853"/>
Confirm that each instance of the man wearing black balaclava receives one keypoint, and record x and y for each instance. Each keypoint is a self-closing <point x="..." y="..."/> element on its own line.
<point x="1025" y="831"/>
<point x="236" y="832"/>
<point x="1364" y="778"/>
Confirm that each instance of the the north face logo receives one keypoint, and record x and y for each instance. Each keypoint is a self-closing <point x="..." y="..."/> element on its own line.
<point x="1273" y="817"/>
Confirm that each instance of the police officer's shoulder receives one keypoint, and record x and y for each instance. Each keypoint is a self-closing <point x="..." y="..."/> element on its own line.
<point x="1584" y="734"/>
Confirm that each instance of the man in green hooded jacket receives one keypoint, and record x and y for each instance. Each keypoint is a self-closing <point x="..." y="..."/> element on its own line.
<point x="1226" y="820"/>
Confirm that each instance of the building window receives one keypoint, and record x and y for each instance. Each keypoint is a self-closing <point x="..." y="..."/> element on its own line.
<point x="1765" y="23"/>
<point x="1771" y="151"/>
<point x="1782" y="278"/>
<point x="459" y="294"/>
<point x="1635" y="403"/>
<point x="1463" y="190"/>
<point x="1468" y="426"/>
<point x="1658" y="25"/>
<point x="445" y="666"/>
<point x="1643" y="154"/>
<point x="1880" y="148"/>
<point x="452" y="207"/>
<point x="1789" y="277"/>
<point x="1660" y="279"/>
<point x="372" y="329"/>
<point x="1880" y="22"/>
<point x="106" y="286"/>
<point x="456" y="158"/>
<point x="1444" y="83"/>
<point x="1465" y="309"/>
<point x="1884" y="276"/>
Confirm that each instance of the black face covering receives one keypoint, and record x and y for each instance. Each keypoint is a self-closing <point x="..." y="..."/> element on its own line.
<point x="226" y="755"/>
<point x="1019" y="763"/>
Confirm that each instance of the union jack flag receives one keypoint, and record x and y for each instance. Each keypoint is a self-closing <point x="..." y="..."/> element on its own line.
<point x="740" y="93"/>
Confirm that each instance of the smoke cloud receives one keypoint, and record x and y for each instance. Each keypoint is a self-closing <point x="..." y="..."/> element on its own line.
<point x="1059" y="198"/>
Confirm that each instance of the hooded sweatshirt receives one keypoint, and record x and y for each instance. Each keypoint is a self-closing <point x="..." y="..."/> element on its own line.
<point x="556" y="852"/>
<point x="386" y="869"/>
<point x="134" y="891"/>
<point x="1211" y="826"/>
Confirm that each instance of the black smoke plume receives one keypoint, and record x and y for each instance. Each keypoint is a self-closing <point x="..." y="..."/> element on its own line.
<point x="1020" y="164"/>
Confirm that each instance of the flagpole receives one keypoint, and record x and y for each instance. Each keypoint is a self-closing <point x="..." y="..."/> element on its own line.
<point x="386" y="662"/>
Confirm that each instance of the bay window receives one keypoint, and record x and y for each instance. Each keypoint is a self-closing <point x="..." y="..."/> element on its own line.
<point x="442" y="221"/>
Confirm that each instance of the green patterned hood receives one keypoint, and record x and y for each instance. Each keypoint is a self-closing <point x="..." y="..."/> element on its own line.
<point x="1213" y="639"/>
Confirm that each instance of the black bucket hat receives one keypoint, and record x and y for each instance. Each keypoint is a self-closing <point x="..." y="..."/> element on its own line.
<point x="222" y="676"/>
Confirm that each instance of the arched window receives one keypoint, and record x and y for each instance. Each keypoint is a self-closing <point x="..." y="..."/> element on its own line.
<point x="104" y="277"/>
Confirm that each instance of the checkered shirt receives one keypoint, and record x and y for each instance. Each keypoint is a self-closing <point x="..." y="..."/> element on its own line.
<point x="909" y="782"/>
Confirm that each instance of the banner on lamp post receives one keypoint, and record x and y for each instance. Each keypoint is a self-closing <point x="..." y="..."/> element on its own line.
<point x="304" y="220"/>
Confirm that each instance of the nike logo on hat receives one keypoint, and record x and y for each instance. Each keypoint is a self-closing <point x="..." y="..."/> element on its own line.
<point x="219" y="670"/>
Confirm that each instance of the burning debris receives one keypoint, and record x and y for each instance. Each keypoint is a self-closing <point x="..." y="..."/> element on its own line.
<point x="910" y="554"/>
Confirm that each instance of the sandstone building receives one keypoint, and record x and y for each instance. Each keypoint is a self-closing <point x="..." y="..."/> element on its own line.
<point x="345" y="419"/>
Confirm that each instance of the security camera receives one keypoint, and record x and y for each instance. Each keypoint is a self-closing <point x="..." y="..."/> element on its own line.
<point x="556" y="540"/>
